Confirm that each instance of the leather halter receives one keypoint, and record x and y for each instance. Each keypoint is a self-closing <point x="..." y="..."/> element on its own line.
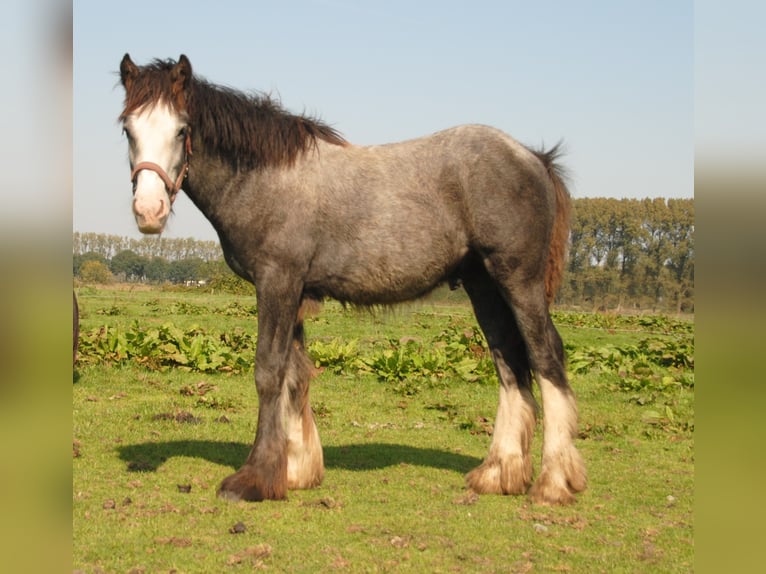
<point x="172" y="187"/>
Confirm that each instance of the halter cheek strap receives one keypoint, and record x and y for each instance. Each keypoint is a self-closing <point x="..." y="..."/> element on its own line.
<point x="172" y="187"/>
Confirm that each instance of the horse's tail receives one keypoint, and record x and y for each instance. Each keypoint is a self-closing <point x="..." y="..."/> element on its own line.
<point x="557" y="251"/>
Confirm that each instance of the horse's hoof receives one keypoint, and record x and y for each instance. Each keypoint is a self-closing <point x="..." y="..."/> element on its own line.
<point x="226" y="493"/>
<point x="495" y="476"/>
<point x="550" y="495"/>
<point x="243" y="485"/>
<point x="553" y="488"/>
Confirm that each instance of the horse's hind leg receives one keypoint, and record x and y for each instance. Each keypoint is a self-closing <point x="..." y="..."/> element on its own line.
<point x="562" y="473"/>
<point x="508" y="466"/>
<point x="305" y="461"/>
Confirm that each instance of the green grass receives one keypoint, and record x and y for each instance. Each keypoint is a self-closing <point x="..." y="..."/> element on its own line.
<point x="151" y="447"/>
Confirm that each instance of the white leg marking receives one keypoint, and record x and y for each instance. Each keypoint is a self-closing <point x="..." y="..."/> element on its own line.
<point x="563" y="471"/>
<point x="514" y="423"/>
<point x="508" y="466"/>
<point x="305" y="459"/>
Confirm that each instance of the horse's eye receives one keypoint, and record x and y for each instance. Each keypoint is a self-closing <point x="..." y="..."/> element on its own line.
<point x="182" y="132"/>
<point x="127" y="133"/>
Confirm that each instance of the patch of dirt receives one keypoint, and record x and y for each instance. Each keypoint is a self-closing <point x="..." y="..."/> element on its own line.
<point x="179" y="417"/>
<point x="200" y="389"/>
<point x="467" y="499"/>
<point x="576" y="522"/>
<point x="253" y="554"/>
<point x="176" y="541"/>
<point x="327" y="503"/>
<point x="400" y="541"/>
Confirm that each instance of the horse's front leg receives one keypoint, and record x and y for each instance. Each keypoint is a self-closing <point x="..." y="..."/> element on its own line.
<point x="264" y="474"/>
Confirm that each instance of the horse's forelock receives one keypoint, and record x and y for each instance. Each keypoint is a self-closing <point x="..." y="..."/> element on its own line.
<point x="152" y="85"/>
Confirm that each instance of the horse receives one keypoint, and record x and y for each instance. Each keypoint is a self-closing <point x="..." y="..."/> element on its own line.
<point x="305" y="215"/>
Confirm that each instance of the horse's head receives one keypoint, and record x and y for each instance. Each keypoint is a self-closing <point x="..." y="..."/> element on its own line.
<point x="156" y="125"/>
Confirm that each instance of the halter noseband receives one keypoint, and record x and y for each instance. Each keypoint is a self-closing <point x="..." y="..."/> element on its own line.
<point x="171" y="187"/>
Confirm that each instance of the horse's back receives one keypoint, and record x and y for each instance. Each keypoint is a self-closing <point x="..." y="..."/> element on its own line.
<point x="431" y="169"/>
<point x="475" y="180"/>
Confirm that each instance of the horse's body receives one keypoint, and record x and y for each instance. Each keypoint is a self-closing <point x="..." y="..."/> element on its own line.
<point x="305" y="215"/>
<point x="385" y="224"/>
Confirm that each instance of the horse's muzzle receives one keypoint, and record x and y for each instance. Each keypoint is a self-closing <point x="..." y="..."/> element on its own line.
<point x="151" y="214"/>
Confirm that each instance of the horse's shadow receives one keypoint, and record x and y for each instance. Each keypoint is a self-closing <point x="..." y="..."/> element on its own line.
<point x="149" y="456"/>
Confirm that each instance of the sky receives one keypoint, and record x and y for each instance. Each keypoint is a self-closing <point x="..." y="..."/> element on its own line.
<point x="613" y="80"/>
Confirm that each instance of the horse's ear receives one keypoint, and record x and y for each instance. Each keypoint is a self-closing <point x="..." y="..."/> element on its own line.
<point x="181" y="77"/>
<point x="128" y="71"/>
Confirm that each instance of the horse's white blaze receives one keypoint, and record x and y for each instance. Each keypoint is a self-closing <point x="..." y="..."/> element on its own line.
<point x="154" y="138"/>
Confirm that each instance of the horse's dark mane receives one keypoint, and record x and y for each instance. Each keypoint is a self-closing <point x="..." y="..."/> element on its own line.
<point x="245" y="130"/>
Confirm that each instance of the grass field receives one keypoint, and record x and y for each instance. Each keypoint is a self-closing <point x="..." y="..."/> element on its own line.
<point x="164" y="407"/>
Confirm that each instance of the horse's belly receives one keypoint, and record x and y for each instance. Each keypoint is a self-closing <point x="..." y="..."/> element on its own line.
<point x="386" y="275"/>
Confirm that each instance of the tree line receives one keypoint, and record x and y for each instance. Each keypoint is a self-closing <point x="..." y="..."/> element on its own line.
<point x="624" y="254"/>
<point x="630" y="253"/>
<point x="149" y="246"/>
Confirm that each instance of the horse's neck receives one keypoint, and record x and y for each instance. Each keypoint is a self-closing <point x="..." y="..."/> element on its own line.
<point x="211" y="184"/>
<point x="221" y="191"/>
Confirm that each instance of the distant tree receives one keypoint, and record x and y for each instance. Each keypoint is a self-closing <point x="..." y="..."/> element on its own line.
<point x="128" y="265"/>
<point x="186" y="270"/>
<point x="680" y="262"/>
<point x="95" y="272"/>
<point x="78" y="260"/>
<point x="156" y="270"/>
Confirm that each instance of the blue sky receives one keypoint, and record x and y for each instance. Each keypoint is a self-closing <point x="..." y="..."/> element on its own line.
<point x="614" y="80"/>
